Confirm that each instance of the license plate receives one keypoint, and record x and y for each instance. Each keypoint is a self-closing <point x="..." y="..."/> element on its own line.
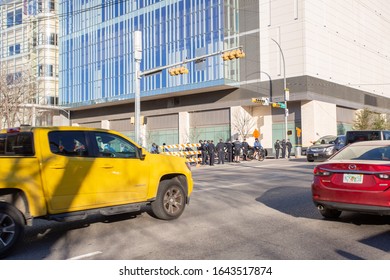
<point x="353" y="178"/>
<point x="315" y="154"/>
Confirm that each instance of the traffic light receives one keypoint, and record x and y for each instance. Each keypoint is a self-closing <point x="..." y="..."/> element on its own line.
<point x="279" y="105"/>
<point x="264" y="101"/>
<point x="178" y="71"/>
<point x="299" y="131"/>
<point x="234" y="54"/>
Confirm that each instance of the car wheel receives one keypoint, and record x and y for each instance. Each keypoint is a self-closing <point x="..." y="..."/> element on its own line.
<point x="310" y="160"/>
<point x="330" y="213"/>
<point x="11" y="228"/>
<point x="170" y="201"/>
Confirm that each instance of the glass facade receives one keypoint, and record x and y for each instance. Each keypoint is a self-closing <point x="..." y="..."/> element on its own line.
<point x="96" y="49"/>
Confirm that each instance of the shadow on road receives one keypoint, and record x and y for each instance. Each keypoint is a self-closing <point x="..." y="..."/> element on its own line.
<point x="297" y="202"/>
<point x="43" y="234"/>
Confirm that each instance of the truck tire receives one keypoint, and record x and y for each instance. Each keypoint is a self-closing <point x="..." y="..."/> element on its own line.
<point x="170" y="201"/>
<point x="11" y="228"/>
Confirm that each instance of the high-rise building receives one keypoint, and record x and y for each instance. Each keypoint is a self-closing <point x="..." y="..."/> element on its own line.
<point x="28" y="61"/>
<point x="332" y="56"/>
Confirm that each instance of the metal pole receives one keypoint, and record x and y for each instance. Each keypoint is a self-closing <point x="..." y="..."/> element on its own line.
<point x="270" y="85"/>
<point x="137" y="82"/>
<point x="284" y="90"/>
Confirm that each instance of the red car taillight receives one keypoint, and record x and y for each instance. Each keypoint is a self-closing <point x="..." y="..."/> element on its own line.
<point x="383" y="176"/>
<point x="321" y="172"/>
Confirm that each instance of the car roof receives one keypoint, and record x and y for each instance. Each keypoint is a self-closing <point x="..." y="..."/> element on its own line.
<point x="372" y="143"/>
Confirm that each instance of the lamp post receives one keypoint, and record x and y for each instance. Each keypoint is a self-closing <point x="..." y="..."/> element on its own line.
<point x="286" y="93"/>
<point x="270" y="85"/>
<point x="137" y="94"/>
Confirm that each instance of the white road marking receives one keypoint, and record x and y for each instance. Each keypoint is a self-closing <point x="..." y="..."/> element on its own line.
<point x="86" y="255"/>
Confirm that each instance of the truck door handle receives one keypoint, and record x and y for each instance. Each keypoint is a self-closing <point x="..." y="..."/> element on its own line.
<point x="57" y="166"/>
<point x="107" y="166"/>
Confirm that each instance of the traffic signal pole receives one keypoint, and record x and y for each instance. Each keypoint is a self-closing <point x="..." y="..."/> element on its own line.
<point x="286" y="92"/>
<point x="139" y="74"/>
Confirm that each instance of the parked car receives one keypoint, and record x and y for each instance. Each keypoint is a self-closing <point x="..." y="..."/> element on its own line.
<point x="339" y="143"/>
<point x="321" y="149"/>
<point x="366" y="135"/>
<point x="356" y="179"/>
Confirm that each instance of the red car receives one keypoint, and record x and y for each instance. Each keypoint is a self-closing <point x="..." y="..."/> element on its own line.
<point x="356" y="179"/>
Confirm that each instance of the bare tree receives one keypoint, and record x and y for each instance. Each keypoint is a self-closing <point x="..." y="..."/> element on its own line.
<point x="243" y="123"/>
<point x="15" y="89"/>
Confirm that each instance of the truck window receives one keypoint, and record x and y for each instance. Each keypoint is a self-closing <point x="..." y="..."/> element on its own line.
<point x="111" y="145"/>
<point x="2" y="144"/>
<point x="17" y="144"/>
<point x="68" y="143"/>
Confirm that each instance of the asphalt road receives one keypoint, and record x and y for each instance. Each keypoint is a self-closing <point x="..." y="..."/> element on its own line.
<point x="238" y="211"/>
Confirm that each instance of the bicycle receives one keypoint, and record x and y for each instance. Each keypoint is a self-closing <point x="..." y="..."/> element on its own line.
<point x="259" y="154"/>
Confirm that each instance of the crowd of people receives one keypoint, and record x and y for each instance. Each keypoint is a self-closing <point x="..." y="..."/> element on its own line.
<point x="230" y="151"/>
<point x="282" y="148"/>
<point x="225" y="151"/>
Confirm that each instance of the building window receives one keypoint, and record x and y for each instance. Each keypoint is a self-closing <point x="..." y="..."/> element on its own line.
<point x="13" y="77"/>
<point x="52" y="39"/>
<point x="52" y="6"/>
<point x="14" y="18"/>
<point x="13" y="50"/>
<point x="45" y="70"/>
<point x="10" y="19"/>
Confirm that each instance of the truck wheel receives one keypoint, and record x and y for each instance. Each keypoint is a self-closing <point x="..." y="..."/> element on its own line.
<point x="11" y="228"/>
<point x="170" y="201"/>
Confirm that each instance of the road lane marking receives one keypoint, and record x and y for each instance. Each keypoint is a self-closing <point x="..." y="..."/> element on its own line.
<point x="85" y="255"/>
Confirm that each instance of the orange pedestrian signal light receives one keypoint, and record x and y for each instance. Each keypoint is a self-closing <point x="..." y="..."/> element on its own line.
<point x="178" y="71"/>
<point x="299" y="131"/>
<point x="234" y="54"/>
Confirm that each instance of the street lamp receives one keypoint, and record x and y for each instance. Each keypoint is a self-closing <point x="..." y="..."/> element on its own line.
<point x="286" y="97"/>
<point x="270" y="85"/>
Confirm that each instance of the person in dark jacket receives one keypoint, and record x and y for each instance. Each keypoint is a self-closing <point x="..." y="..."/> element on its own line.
<point x="221" y="152"/>
<point x="237" y="150"/>
<point x="245" y="149"/>
<point x="283" y="148"/>
<point x="211" y="150"/>
<point x="229" y="151"/>
<point x="277" y="148"/>
<point x="289" y="147"/>
<point x="203" y="152"/>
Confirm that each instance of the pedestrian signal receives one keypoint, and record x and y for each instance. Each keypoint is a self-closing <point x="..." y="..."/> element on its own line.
<point x="178" y="71"/>
<point x="234" y="54"/>
<point x="299" y="131"/>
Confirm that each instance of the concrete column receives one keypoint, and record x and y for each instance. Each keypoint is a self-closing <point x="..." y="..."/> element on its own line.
<point x="184" y="127"/>
<point x="318" y="119"/>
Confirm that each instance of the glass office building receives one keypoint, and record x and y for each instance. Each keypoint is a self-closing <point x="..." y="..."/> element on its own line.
<point x="321" y="49"/>
<point x="97" y="54"/>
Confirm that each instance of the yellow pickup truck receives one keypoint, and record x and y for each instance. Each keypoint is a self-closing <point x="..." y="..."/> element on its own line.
<point x="67" y="173"/>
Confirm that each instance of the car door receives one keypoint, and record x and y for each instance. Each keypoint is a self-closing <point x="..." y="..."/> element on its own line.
<point x="67" y="171"/>
<point x="123" y="175"/>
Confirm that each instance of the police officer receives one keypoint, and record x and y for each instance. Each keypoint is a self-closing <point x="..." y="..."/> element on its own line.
<point x="237" y="150"/>
<point x="221" y="152"/>
<point x="245" y="149"/>
<point x="277" y="148"/>
<point x="229" y="151"/>
<point x="211" y="150"/>
<point x="203" y="151"/>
